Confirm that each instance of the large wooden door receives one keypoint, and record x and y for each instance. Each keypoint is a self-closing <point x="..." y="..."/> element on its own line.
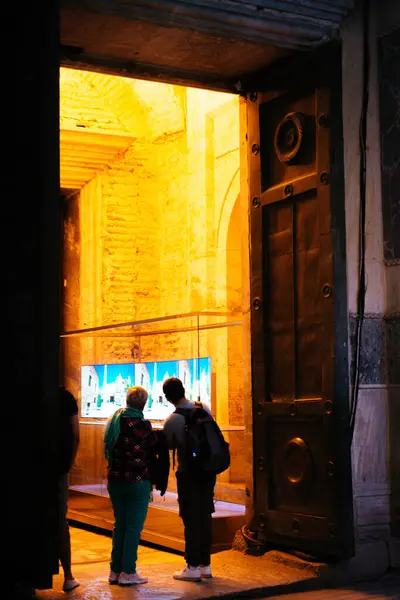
<point x="303" y="492"/>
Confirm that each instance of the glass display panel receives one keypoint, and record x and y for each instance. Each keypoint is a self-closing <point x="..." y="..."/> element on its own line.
<point x="104" y="387"/>
<point x="205" y="350"/>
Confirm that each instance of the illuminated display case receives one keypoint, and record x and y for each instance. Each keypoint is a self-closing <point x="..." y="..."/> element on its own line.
<point x="205" y="350"/>
<point x="104" y="387"/>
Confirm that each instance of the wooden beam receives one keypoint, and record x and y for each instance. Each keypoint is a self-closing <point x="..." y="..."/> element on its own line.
<point x="76" y="58"/>
<point x="298" y="71"/>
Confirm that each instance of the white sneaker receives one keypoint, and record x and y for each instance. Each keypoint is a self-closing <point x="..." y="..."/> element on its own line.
<point x="188" y="574"/>
<point x="205" y="571"/>
<point x="133" y="579"/>
<point x="70" y="584"/>
<point x="113" y="578"/>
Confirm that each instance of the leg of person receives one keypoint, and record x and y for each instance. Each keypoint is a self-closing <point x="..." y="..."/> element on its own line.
<point x="189" y="506"/>
<point x="205" y="517"/>
<point x="137" y="502"/>
<point x="70" y="582"/>
<point x="206" y="542"/>
<point x="118" y="501"/>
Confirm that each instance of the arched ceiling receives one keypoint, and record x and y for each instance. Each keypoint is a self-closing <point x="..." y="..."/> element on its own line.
<point x="102" y="115"/>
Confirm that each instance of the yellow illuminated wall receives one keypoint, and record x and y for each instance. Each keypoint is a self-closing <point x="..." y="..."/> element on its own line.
<point x="159" y="224"/>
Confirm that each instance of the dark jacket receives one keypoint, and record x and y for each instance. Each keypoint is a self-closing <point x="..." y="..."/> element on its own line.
<point x="160" y="464"/>
<point x="68" y="408"/>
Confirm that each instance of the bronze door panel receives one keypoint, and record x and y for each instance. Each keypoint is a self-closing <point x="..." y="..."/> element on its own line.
<point x="302" y="471"/>
<point x="289" y="188"/>
<point x="287" y="139"/>
<point x="293" y="323"/>
<point x="299" y="464"/>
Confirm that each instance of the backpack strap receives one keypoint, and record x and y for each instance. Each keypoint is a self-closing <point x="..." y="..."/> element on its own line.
<point x="184" y="412"/>
<point x="180" y="411"/>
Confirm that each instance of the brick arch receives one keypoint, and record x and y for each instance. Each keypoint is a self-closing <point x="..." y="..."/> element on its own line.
<point x="224" y="235"/>
<point x="229" y="275"/>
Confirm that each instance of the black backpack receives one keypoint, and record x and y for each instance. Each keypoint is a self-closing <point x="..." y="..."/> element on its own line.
<point x="206" y="449"/>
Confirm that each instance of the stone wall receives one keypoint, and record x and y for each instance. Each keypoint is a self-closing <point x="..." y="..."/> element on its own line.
<point x="389" y="87"/>
<point x="375" y="449"/>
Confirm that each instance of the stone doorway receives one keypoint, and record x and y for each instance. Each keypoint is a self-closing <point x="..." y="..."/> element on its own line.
<point x="153" y="233"/>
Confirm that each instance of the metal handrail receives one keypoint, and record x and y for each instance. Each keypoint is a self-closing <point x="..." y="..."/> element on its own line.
<point x="98" y="329"/>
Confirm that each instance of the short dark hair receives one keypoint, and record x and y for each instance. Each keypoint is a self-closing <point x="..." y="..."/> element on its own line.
<point x="173" y="389"/>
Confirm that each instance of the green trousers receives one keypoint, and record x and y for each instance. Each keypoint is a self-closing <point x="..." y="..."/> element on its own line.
<point x="130" y="502"/>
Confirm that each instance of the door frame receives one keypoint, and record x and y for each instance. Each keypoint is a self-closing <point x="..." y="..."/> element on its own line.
<point x="316" y="67"/>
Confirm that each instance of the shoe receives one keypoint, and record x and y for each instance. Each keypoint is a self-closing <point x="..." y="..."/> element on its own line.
<point x="70" y="584"/>
<point x="131" y="579"/>
<point x="188" y="574"/>
<point x="205" y="571"/>
<point x="113" y="578"/>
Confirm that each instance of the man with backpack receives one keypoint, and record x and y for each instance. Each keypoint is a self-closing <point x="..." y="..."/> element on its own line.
<point x="202" y="454"/>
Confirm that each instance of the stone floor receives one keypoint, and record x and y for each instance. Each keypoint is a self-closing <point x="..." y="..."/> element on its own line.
<point x="235" y="575"/>
<point x="387" y="589"/>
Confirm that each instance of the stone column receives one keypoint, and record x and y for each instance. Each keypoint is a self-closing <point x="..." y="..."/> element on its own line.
<point x="373" y="451"/>
<point x="33" y="232"/>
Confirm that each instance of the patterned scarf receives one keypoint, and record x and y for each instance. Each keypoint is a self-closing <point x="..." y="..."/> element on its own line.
<point x="113" y="427"/>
